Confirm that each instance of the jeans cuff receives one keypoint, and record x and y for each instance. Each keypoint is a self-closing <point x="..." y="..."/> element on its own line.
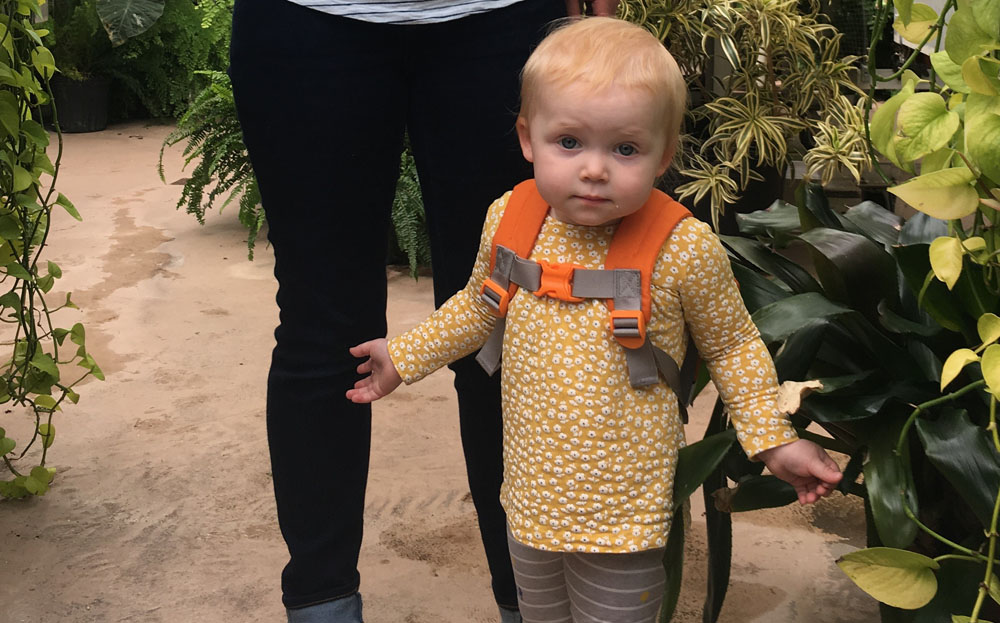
<point x="343" y="610"/>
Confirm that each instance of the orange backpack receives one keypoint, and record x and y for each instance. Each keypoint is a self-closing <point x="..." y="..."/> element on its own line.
<point x="624" y="283"/>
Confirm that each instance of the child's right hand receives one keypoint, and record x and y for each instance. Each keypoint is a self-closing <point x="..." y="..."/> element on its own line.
<point x="382" y="376"/>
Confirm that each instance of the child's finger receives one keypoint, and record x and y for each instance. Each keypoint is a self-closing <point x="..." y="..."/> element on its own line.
<point x="363" y="349"/>
<point x="362" y="392"/>
<point x="365" y="366"/>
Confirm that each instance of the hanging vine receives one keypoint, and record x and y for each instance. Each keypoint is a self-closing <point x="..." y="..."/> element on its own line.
<point x="36" y="356"/>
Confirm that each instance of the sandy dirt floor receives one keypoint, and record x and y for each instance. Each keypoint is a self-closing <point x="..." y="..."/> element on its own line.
<point x="162" y="509"/>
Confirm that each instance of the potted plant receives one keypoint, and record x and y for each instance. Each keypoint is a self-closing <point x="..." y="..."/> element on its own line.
<point x="81" y="36"/>
<point x="898" y="322"/>
<point x="779" y="74"/>
<point x="950" y="135"/>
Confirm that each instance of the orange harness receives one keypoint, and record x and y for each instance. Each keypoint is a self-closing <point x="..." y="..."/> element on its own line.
<point x="624" y="283"/>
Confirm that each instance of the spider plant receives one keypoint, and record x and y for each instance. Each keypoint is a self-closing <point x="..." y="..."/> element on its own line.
<point x="782" y="75"/>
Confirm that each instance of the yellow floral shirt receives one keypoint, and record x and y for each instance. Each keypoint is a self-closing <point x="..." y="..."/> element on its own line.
<point x="589" y="460"/>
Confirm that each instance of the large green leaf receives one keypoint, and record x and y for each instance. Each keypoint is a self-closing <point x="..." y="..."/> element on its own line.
<point x="980" y="75"/>
<point x="719" y="526"/>
<point x="756" y="289"/>
<point x="922" y="17"/>
<point x="754" y="493"/>
<point x="816" y="210"/>
<point x="893" y="576"/>
<point x="990" y="367"/>
<point x="946" y="194"/>
<point x="673" y="564"/>
<point x="914" y="262"/>
<point x="904" y="8"/>
<point x="123" y="19"/>
<point x="946" y="259"/>
<point x="987" y="13"/>
<point x="925" y="359"/>
<point x="958" y="583"/>
<point x="852" y="268"/>
<point x="861" y="402"/>
<point x="895" y="323"/>
<point x="965" y="36"/>
<point x="982" y="133"/>
<point x="783" y="318"/>
<point x="779" y="217"/>
<point x="696" y="461"/>
<point x="964" y="454"/>
<point x="926" y="124"/>
<point x="783" y="269"/>
<point x="973" y="291"/>
<point x="883" y="124"/>
<point x="922" y="229"/>
<point x="793" y="360"/>
<point x="954" y="365"/>
<point x="720" y="549"/>
<point x="886" y="478"/>
<point x="948" y="71"/>
<point x="876" y="222"/>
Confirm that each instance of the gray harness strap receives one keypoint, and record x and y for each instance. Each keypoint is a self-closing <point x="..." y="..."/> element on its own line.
<point x="623" y="285"/>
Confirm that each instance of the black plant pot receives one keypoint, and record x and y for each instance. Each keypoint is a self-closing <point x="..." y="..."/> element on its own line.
<point x="82" y="105"/>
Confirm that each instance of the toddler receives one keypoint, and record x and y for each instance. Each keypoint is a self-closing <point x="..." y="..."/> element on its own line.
<point x="589" y="448"/>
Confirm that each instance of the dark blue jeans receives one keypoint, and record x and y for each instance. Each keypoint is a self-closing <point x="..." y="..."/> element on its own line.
<point x="324" y="102"/>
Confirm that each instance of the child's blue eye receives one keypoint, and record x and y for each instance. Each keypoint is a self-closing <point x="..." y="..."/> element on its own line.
<point x="568" y="142"/>
<point x="627" y="150"/>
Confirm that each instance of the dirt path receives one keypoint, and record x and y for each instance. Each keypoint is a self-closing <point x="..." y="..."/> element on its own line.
<point x="162" y="509"/>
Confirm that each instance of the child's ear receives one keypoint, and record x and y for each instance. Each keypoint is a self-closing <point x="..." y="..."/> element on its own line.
<point x="668" y="155"/>
<point x="524" y="137"/>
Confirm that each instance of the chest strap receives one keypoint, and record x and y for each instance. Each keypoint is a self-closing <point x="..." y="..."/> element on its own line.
<point x="622" y="286"/>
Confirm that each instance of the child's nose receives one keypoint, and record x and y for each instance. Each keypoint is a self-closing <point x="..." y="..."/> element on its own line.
<point x="594" y="169"/>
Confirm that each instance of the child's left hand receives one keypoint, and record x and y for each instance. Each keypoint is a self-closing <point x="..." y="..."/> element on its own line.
<point x="804" y="465"/>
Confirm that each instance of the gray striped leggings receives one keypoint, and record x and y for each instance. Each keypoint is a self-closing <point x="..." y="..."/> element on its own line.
<point x="558" y="587"/>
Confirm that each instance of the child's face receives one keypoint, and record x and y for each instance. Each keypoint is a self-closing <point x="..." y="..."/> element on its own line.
<point x="596" y="155"/>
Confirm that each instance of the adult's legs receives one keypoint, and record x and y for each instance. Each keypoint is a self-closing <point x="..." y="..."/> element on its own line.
<point x="465" y="85"/>
<point x="317" y="97"/>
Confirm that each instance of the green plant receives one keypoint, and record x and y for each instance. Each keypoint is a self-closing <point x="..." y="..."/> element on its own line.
<point x="784" y="74"/>
<point x="83" y="32"/>
<point x="33" y="388"/>
<point x="408" y="219"/>
<point x="214" y="139"/>
<point x="151" y="49"/>
<point x="952" y="132"/>
<point x="862" y="323"/>
<point x="157" y="74"/>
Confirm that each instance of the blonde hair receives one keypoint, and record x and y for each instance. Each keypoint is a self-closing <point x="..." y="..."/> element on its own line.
<point x="600" y="53"/>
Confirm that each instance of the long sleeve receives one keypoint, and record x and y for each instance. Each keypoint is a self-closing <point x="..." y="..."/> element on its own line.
<point x="457" y="328"/>
<point x="730" y="344"/>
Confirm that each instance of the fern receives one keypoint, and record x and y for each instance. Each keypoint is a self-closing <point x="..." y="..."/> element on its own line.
<point x="408" y="217"/>
<point x="214" y="139"/>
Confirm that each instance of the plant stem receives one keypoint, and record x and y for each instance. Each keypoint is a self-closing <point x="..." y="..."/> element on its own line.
<point x="909" y="513"/>
<point x="984" y="586"/>
<point x="955" y="557"/>
<point x="930" y="404"/>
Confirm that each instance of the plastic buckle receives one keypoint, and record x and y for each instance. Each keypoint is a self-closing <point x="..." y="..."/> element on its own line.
<point x="629" y="327"/>
<point x="495" y="296"/>
<point x="556" y="281"/>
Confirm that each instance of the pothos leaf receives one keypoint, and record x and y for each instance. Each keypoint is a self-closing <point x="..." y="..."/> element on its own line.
<point x="896" y="577"/>
<point x="954" y="364"/>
